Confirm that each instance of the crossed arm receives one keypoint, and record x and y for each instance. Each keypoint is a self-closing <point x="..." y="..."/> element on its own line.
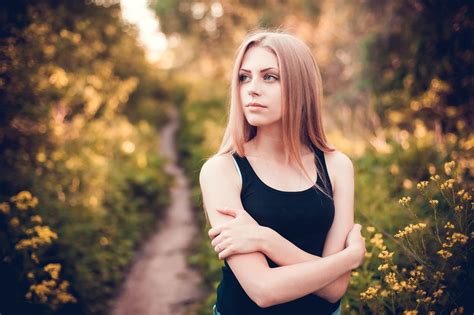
<point x="300" y="273"/>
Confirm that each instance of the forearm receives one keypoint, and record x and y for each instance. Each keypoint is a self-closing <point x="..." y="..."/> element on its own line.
<point x="284" y="253"/>
<point x="287" y="283"/>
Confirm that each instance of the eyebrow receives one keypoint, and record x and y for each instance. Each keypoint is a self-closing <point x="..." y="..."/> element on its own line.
<point x="263" y="70"/>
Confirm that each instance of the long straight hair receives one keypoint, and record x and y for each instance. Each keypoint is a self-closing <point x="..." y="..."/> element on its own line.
<point x="302" y="96"/>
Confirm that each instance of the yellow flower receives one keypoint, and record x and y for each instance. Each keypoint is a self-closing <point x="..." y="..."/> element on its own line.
<point x="447" y="184"/>
<point x="449" y="225"/>
<point x="435" y="177"/>
<point x="15" y="222"/>
<point x="4" y="208"/>
<point x="412" y="312"/>
<point x="383" y="267"/>
<point x="384" y="293"/>
<point x="448" y="167"/>
<point x="385" y="255"/>
<point x="53" y="270"/>
<point x="369" y="294"/>
<point x="36" y="219"/>
<point x="422" y="185"/>
<point x="24" y="200"/>
<point x="434" y="202"/>
<point x="104" y="241"/>
<point x="438" y="293"/>
<point x="370" y="229"/>
<point x="466" y="196"/>
<point x="459" y="238"/>
<point x="377" y="240"/>
<point x="444" y="253"/>
<point x="458" y="208"/>
<point x="355" y="273"/>
<point x="404" y="201"/>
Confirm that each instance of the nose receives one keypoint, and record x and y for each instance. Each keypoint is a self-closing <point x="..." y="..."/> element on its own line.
<point x="254" y="89"/>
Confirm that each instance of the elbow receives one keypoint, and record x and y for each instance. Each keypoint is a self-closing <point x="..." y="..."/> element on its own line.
<point x="338" y="292"/>
<point x="262" y="294"/>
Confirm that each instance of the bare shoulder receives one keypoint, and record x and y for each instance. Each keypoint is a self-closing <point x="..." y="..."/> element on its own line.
<point x="218" y="167"/>
<point x="339" y="165"/>
<point x="338" y="159"/>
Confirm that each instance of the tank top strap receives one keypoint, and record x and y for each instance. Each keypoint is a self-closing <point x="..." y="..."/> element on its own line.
<point x="322" y="167"/>
<point x="242" y="168"/>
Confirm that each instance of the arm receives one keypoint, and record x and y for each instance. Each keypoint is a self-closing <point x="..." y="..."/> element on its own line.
<point x="285" y="253"/>
<point x="264" y="285"/>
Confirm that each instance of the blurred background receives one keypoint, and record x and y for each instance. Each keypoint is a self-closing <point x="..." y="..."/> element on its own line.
<point x="86" y="87"/>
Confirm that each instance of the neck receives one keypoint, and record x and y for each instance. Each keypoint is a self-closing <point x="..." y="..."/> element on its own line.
<point x="268" y="143"/>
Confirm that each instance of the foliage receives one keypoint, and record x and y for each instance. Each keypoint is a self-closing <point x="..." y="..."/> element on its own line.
<point x="79" y="118"/>
<point x="434" y="271"/>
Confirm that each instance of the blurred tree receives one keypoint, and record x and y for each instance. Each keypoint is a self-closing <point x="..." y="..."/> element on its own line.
<point x="419" y="65"/>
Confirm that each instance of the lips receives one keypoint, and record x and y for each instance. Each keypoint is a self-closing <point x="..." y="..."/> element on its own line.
<point x="255" y="105"/>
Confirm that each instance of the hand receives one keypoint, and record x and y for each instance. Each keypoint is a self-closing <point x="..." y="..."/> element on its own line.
<point x="356" y="242"/>
<point x="238" y="236"/>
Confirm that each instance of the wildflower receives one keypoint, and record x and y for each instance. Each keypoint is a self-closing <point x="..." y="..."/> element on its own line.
<point x="435" y="177"/>
<point x="36" y="219"/>
<point x="447" y="184"/>
<point x="30" y="275"/>
<point x="448" y="167"/>
<point x="368" y="254"/>
<point x="384" y="293"/>
<point x="434" y="202"/>
<point x="439" y="275"/>
<point x="466" y="196"/>
<point x="391" y="278"/>
<point x="355" y="273"/>
<point x="4" y="208"/>
<point x="444" y="253"/>
<point x="422" y="185"/>
<point x="24" y="200"/>
<point x="410" y="229"/>
<point x="449" y="225"/>
<point x="15" y="222"/>
<point x="413" y="312"/>
<point x="438" y="293"/>
<point x="421" y="292"/>
<point x="53" y="270"/>
<point x="34" y="257"/>
<point x="385" y="255"/>
<point x="383" y="267"/>
<point x="377" y="240"/>
<point x="456" y="268"/>
<point x="370" y="229"/>
<point x="369" y="294"/>
<point x="458" y="208"/>
<point x="460" y="192"/>
<point x="104" y="241"/>
<point x="459" y="238"/>
<point x="404" y="201"/>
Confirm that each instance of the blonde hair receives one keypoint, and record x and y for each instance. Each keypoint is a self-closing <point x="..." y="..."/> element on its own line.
<point x="302" y="96"/>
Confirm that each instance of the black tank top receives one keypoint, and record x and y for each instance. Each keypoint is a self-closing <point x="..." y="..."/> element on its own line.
<point x="302" y="217"/>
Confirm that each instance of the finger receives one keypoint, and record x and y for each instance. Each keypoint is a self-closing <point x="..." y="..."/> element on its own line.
<point x="225" y="253"/>
<point x="213" y="232"/>
<point x="227" y="211"/>
<point x="217" y="240"/>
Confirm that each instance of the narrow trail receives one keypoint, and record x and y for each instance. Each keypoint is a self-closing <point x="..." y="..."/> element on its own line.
<point x="160" y="282"/>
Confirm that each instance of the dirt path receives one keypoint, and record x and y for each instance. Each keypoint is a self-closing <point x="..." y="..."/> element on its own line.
<point x="160" y="282"/>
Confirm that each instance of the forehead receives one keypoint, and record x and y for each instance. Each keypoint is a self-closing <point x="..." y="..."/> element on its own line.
<point x="259" y="58"/>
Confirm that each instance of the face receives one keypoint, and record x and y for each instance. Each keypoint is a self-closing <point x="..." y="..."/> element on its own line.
<point x="260" y="89"/>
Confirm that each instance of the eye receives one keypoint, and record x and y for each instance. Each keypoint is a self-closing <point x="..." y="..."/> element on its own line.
<point x="243" y="77"/>
<point x="272" y="77"/>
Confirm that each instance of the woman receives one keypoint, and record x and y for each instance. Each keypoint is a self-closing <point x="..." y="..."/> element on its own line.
<point x="279" y="199"/>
